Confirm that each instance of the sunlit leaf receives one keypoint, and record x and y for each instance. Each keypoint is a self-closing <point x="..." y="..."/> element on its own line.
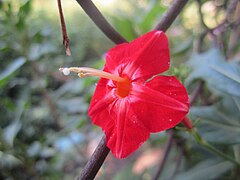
<point x="125" y="27"/>
<point x="148" y="18"/>
<point x="24" y="10"/>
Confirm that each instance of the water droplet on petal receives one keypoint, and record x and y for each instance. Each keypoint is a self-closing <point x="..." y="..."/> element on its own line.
<point x="170" y="120"/>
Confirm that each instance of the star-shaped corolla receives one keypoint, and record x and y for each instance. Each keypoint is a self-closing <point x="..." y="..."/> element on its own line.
<point x="131" y="99"/>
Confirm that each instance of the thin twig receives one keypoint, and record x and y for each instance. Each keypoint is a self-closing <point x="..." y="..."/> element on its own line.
<point x="216" y="32"/>
<point x="196" y="92"/>
<point x="95" y="162"/>
<point x="231" y="9"/>
<point x="165" y="154"/>
<point x="199" y="44"/>
<point x="201" y="14"/>
<point x="235" y="33"/>
<point x="207" y="29"/>
<point x="96" y="16"/>
<point x="53" y="109"/>
<point x="171" y="15"/>
<point x="178" y="163"/>
<point x="51" y="105"/>
<point x="64" y="29"/>
<point x="198" y="138"/>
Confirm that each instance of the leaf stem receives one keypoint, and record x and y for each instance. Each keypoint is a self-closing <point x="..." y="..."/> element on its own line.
<point x="211" y="148"/>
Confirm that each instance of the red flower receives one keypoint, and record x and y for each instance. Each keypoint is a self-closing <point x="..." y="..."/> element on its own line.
<point x="127" y="104"/>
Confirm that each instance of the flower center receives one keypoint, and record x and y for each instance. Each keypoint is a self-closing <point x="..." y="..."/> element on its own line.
<point x="123" y="84"/>
<point x="123" y="88"/>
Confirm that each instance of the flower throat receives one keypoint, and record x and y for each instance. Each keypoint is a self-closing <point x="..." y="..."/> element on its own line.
<point x="123" y="83"/>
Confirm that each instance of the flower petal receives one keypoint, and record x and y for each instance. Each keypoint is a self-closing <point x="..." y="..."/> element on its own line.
<point x="160" y="104"/>
<point x="152" y="55"/>
<point x="101" y="100"/>
<point x="124" y="132"/>
<point x="129" y="133"/>
<point x="116" y="56"/>
<point x="140" y="59"/>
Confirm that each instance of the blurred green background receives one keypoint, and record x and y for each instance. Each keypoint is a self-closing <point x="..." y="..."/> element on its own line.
<point x="45" y="132"/>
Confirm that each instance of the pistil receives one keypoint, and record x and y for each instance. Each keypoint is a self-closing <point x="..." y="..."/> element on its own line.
<point x="86" y="71"/>
<point x="123" y="85"/>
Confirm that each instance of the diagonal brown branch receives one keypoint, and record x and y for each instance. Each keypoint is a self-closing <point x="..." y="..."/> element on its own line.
<point x="96" y="16"/>
<point x="93" y="165"/>
<point x="171" y="15"/>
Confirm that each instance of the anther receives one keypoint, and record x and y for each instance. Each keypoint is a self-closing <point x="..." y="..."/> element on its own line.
<point x="81" y="74"/>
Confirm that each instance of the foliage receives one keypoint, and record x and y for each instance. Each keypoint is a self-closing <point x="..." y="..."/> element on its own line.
<point x="45" y="132"/>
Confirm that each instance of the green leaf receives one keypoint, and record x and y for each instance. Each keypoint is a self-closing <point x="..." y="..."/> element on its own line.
<point x="38" y="50"/>
<point x="73" y="105"/>
<point x="125" y="27"/>
<point x="25" y="8"/>
<point x="23" y="12"/>
<point x="182" y="47"/>
<point x="154" y="11"/>
<point x="8" y="160"/>
<point x="217" y="126"/>
<point x="10" y="70"/>
<point x="10" y="132"/>
<point x="71" y="87"/>
<point x="222" y="77"/>
<point x="236" y="151"/>
<point x="208" y="169"/>
<point x="126" y="173"/>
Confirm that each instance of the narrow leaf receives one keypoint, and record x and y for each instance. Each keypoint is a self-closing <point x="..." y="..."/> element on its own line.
<point x="10" y="70"/>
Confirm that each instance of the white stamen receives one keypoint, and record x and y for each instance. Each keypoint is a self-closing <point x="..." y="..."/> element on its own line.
<point x="66" y="71"/>
<point x="85" y="71"/>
